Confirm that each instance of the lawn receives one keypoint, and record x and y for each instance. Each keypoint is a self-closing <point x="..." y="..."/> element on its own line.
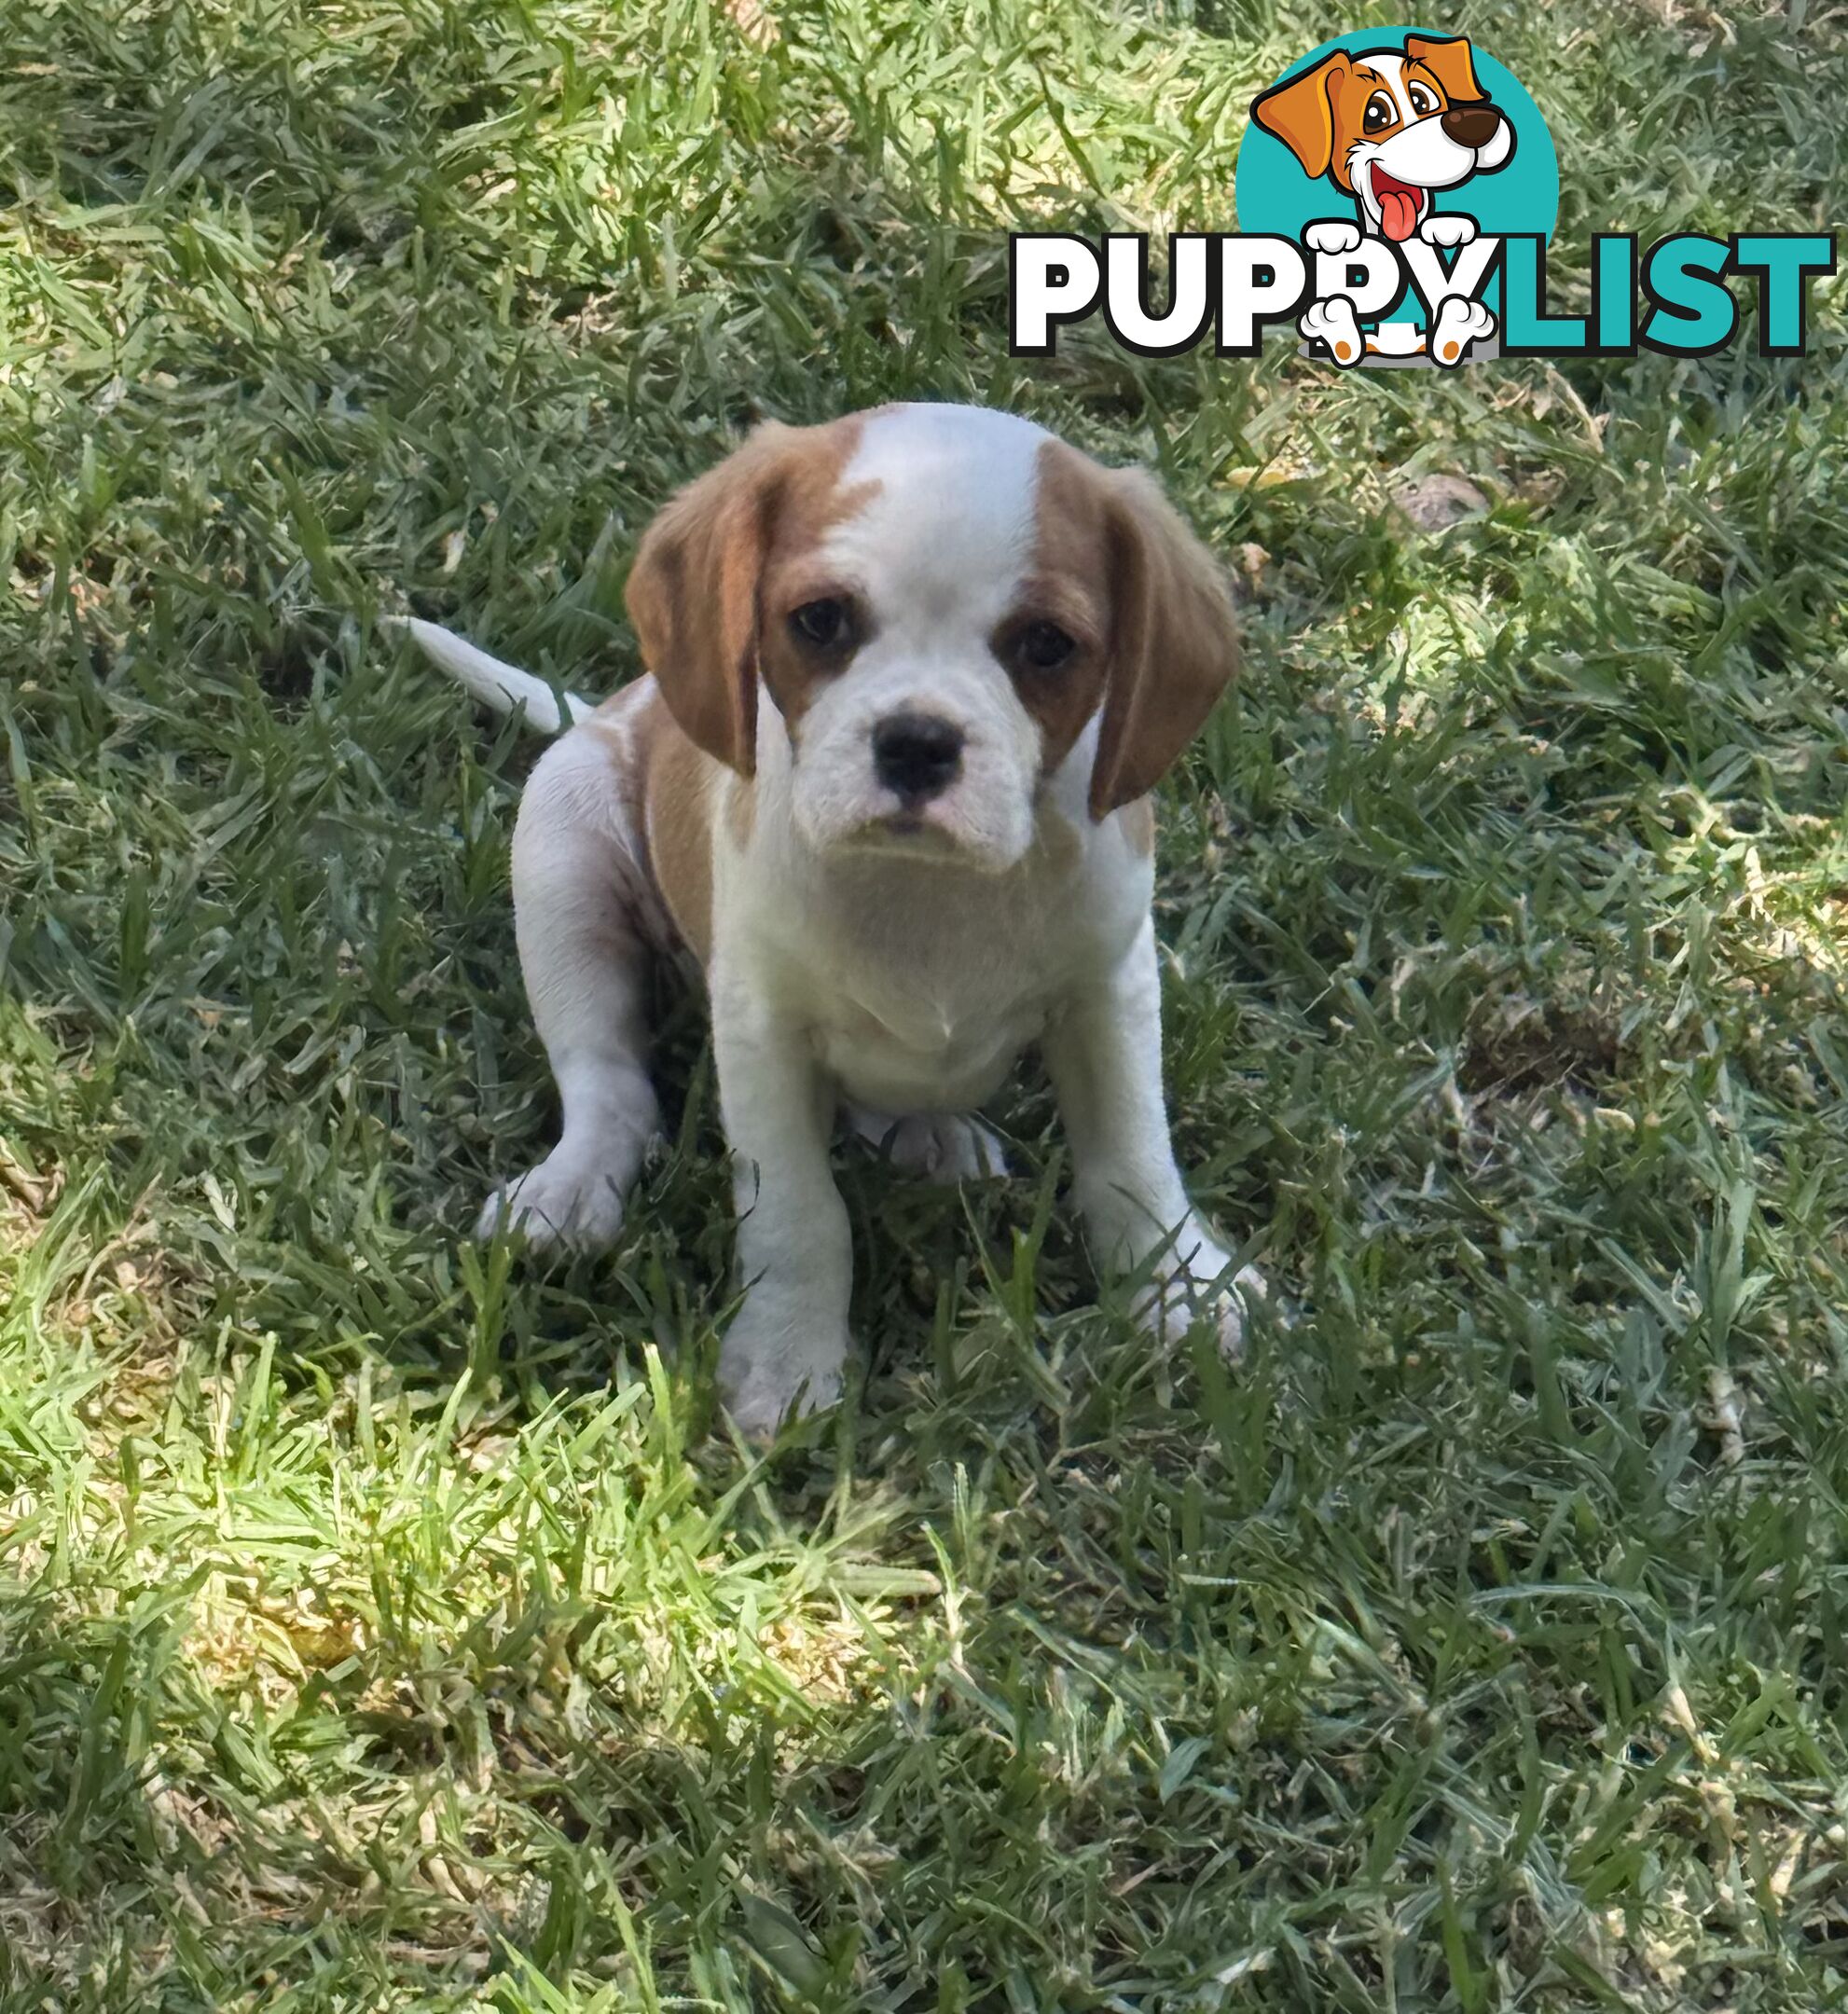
<point x="390" y="1624"/>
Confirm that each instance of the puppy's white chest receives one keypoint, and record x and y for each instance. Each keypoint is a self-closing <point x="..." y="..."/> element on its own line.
<point x="905" y="1056"/>
<point x="917" y="988"/>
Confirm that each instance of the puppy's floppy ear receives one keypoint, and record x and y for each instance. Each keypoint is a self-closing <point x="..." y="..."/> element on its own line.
<point x="1301" y="113"/>
<point x="1174" y="642"/>
<point x="692" y="595"/>
<point x="1448" y="58"/>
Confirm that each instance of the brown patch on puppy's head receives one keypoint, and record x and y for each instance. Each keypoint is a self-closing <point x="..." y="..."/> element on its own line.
<point x="703" y="592"/>
<point x="1067" y="589"/>
<point x="1150" y="615"/>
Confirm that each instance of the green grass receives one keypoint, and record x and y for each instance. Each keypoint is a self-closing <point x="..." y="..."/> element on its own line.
<point x="381" y="1625"/>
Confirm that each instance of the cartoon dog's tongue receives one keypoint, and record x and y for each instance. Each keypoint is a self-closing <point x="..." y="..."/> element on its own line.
<point x="1398" y="204"/>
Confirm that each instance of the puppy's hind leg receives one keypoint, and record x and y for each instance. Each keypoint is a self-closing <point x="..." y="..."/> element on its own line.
<point x="580" y="891"/>
<point x="942" y="1147"/>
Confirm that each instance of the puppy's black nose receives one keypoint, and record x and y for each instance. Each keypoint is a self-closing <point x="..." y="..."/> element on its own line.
<point x="1472" y="125"/>
<point x="917" y="754"/>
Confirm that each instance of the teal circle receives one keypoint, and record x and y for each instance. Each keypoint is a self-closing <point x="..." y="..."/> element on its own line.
<point x="1272" y="194"/>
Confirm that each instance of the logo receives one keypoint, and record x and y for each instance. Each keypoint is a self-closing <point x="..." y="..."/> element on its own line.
<point x="1401" y="162"/>
<point x="1397" y="189"/>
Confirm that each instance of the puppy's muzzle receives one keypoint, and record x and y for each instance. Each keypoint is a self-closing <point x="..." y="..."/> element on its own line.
<point x="916" y="755"/>
<point x="1472" y="125"/>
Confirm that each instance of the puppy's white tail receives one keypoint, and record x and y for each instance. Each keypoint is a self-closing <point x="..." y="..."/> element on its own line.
<point x="501" y="687"/>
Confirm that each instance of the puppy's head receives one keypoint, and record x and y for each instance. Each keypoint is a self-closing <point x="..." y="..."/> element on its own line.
<point x="940" y="602"/>
<point x="1390" y="126"/>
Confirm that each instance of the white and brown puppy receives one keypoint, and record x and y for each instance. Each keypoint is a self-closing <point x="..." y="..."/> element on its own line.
<point x="912" y="675"/>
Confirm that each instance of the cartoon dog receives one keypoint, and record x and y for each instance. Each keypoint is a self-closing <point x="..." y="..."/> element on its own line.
<point x="1391" y="128"/>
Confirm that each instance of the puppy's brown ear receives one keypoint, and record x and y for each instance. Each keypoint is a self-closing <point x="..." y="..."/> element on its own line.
<point x="1174" y="642"/>
<point x="692" y="595"/>
<point x="1448" y="58"/>
<point x="1301" y="113"/>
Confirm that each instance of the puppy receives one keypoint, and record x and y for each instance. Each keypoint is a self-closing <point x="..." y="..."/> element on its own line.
<point x="912" y="675"/>
<point x="1390" y="128"/>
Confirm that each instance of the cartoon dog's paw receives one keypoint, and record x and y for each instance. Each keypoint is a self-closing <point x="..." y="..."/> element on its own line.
<point x="1448" y="229"/>
<point x="1459" y="324"/>
<point x="1335" y="324"/>
<point x="1333" y="236"/>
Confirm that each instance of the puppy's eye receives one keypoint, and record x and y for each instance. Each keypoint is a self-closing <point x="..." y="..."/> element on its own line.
<point x="826" y="624"/>
<point x="1423" y="103"/>
<point x="1381" y="112"/>
<point x="1042" y="646"/>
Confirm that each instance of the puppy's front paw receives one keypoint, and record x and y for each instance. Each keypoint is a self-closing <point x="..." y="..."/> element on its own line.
<point x="1195" y="1284"/>
<point x="1448" y="228"/>
<point x="777" y="1365"/>
<point x="568" y="1199"/>
<point x="1333" y="236"/>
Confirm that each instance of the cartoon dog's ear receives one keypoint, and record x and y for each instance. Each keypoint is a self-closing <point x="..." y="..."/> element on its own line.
<point x="1448" y="58"/>
<point x="1301" y="113"/>
<point x="692" y="595"/>
<point x="1174" y="642"/>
